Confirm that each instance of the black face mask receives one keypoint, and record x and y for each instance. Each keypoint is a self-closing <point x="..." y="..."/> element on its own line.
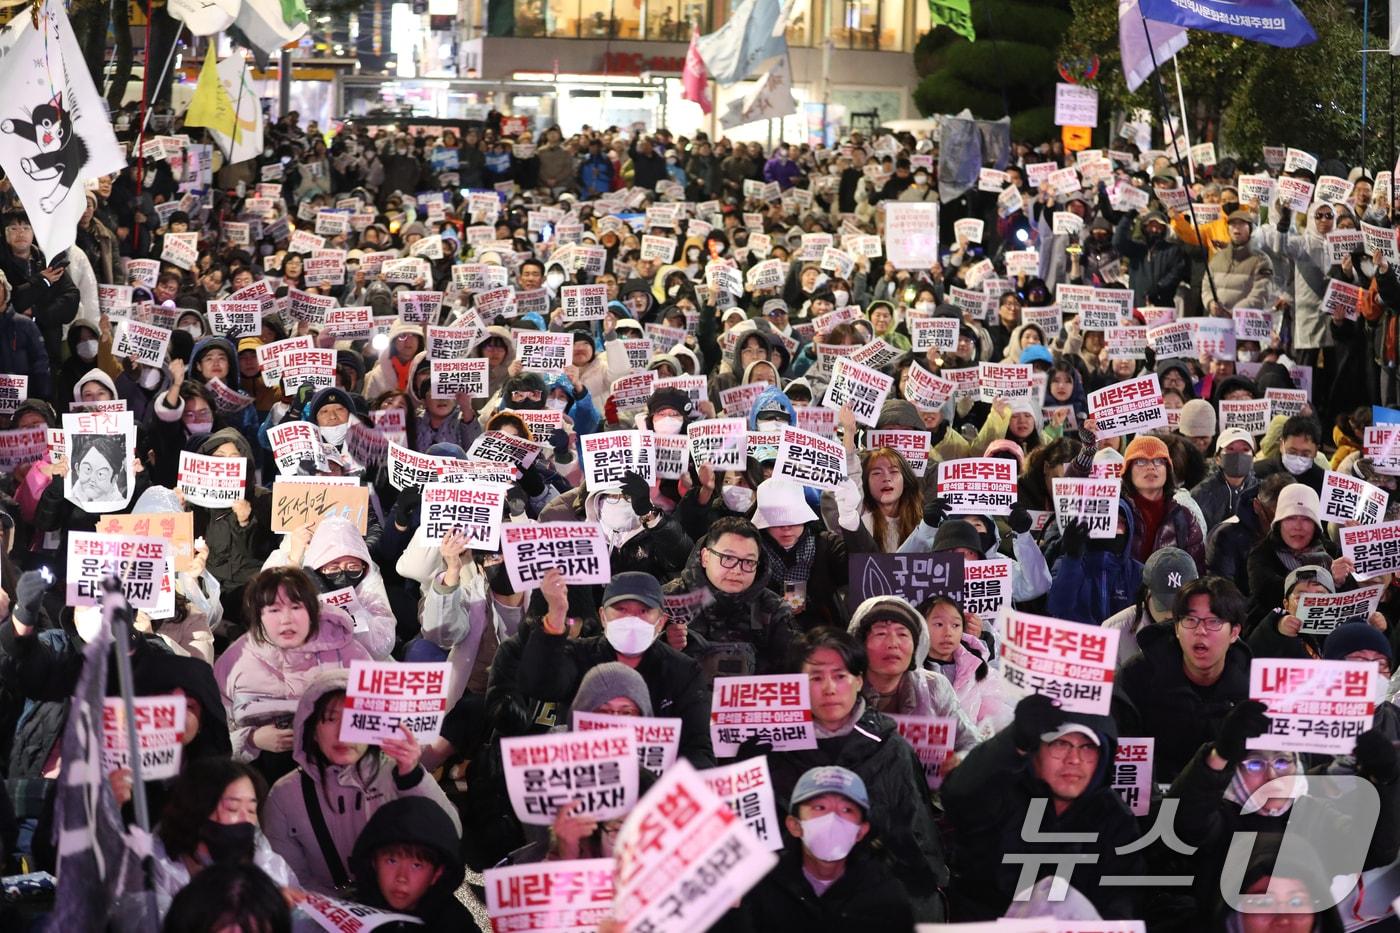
<point x="498" y="579"/>
<point x="228" y="844"/>
<point x="341" y="579"/>
<point x="1228" y="207"/>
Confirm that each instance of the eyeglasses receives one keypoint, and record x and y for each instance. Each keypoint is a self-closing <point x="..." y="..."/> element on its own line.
<point x="1191" y="623"/>
<point x="1154" y="462"/>
<point x="1061" y="748"/>
<point x="1268" y="903"/>
<point x="1281" y="765"/>
<point x="730" y="561"/>
<point x="1324" y="215"/>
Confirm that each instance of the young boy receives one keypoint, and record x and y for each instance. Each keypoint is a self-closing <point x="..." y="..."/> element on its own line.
<point x="406" y="860"/>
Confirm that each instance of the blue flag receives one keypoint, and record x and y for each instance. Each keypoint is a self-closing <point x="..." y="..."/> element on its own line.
<point x="1273" y="22"/>
<point x="752" y="35"/>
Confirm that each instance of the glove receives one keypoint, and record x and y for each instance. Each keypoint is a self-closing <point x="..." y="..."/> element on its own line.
<point x="752" y="748"/>
<point x="1376" y="759"/>
<point x="637" y="492"/>
<point x="29" y="593"/>
<point x="935" y="510"/>
<point x="1075" y="538"/>
<point x="532" y="481"/>
<point x="559" y="440"/>
<point x="1019" y="519"/>
<point x="1087" y="438"/>
<point x="1035" y="715"/>
<point x="848" y="497"/>
<point x="1246" y="721"/>
<point x="406" y="506"/>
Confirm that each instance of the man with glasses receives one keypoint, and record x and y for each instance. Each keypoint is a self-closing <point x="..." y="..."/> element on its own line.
<point x="744" y="627"/>
<point x="1189" y="675"/>
<point x="1062" y="764"/>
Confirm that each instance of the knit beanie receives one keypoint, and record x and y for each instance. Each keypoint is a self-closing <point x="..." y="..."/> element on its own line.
<point x="608" y="682"/>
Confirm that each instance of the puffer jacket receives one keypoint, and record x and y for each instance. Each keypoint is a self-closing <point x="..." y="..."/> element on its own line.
<point x="988" y="700"/>
<point x="757" y="617"/>
<point x="346" y="796"/>
<point x="383" y="377"/>
<point x="1179" y="529"/>
<point x="1308" y="254"/>
<point x="1100" y="582"/>
<point x="1217" y="498"/>
<point x="1240" y="276"/>
<point x="921" y="692"/>
<point x="414" y="821"/>
<point x="260" y="682"/>
<point x="337" y="537"/>
<point x="456" y="620"/>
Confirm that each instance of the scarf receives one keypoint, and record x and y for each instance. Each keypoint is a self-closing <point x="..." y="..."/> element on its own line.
<point x="796" y="565"/>
<point x="847" y="724"/>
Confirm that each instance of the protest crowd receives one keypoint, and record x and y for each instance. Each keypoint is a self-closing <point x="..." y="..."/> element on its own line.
<point x="638" y="532"/>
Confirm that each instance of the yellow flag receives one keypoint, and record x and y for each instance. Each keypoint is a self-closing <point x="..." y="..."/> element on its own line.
<point x="211" y="106"/>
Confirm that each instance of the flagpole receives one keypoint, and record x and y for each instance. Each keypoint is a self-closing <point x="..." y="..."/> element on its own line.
<point x="1181" y="102"/>
<point x="1162" y="99"/>
<point x="1365" y="32"/>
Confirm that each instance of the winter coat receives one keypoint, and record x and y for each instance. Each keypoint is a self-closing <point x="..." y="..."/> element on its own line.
<point x="1154" y="269"/>
<point x="415" y="821"/>
<point x="1152" y="697"/>
<point x="23" y="353"/>
<point x="236" y="552"/>
<point x="826" y="577"/>
<point x="1179" y="529"/>
<point x="989" y="700"/>
<point x="383" y="377"/>
<point x="901" y="816"/>
<point x="556" y="167"/>
<point x="988" y="796"/>
<point x="1101" y="581"/>
<point x="1308" y="254"/>
<point x="757" y="617"/>
<point x="1268" y="572"/>
<point x="1218" y="498"/>
<point x="865" y="897"/>
<point x="553" y="666"/>
<point x="337" y="537"/>
<point x="1242" y="276"/>
<point x="595" y="176"/>
<point x="456" y="620"/>
<point x="52" y="306"/>
<point x="346" y="796"/>
<point x="261" y="683"/>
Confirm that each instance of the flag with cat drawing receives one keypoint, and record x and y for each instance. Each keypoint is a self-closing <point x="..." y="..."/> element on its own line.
<point x="54" y="129"/>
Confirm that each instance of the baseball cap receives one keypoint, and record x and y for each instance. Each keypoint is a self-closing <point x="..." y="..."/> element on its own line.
<point x="1230" y="435"/>
<point x="633" y="585"/>
<point x="1310" y="573"/>
<point x="1298" y="499"/>
<point x="1070" y="727"/>
<point x="1166" y="571"/>
<point x="830" y="779"/>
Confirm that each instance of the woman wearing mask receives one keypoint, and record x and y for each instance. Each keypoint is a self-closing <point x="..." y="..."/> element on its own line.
<point x="808" y="563"/>
<point x="89" y="346"/>
<point x="183" y="411"/>
<point x="338" y="786"/>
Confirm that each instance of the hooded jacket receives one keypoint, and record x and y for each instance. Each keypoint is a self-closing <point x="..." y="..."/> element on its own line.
<point x="347" y="796"/>
<point x="1155" y="268"/>
<point x="415" y="821"/>
<point x="235" y="551"/>
<point x="865" y="897"/>
<point x="987" y="798"/>
<point x="93" y="375"/>
<point x="456" y="620"/>
<point x="338" y="537"/>
<point x="1152" y="697"/>
<point x="257" y="679"/>
<point x="757" y="616"/>
<point x="383" y="377"/>
<point x="1242" y="277"/>
<point x="986" y="699"/>
<point x="1308" y="254"/>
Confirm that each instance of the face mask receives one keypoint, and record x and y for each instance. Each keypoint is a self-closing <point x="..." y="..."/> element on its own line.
<point x="673" y="291"/>
<point x="630" y="635"/>
<point x="841" y="298"/>
<point x="617" y="516"/>
<point x="334" y="434"/>
<point x="87" y="350"/>
<point x="342" y="578"/>
<point x="924" y="307"/>
<point x="829" y="837"/>
<point x="1296" y="465"/>
<point x="1244" y="356"/>
<point x="194" y="330"/>
<point x="737" y="498"/>
<point x="1228" y="207"/>
<point x="921" y="179"/>
<point x="150" y="378"/>
<point x="556" y="404"/>
<point x="199" y="424"/>
<point x="1236" y="464"/>
<point x="667" y="424"/>
<point x="770" y="423"/>
<point x="554" y="279"/>
<point x="692" y="255"/>
<point x="497" y="578"/>
<point x="232" y="844"/>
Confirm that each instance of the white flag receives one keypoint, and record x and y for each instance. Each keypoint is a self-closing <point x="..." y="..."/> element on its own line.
<point x="754" y="33"/>
<point x="54" y="128"/>
<point x="1395" y="27"/>
<point x="248" y="142"/>
<point x="771" y="100"/>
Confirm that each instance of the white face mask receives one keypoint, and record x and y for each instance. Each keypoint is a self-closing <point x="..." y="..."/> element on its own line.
<point x="841" y="298"/>
<point x="829" y="837"/>
<point x="737" y="498"/>
<point x="1296" y="465"/>
<point x="925" y="307"/>
<point x="921" y="179"/>
<point x="198" y="424"/>
<point x="667" y="424"/>
<point x="554" y="279"/>
<point x="630" y="635"/>
<point x="87" y="350"/>
<point x="334" y="434"/>
<point x="1244" y="356"/>
<point x="556" y="404"/>
<point x="150" y="378"/>
<point x="618" y="515"/>
<point x="194" y="330"/>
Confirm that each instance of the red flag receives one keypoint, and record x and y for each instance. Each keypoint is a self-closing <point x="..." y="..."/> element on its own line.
<point x="694" y="78"/>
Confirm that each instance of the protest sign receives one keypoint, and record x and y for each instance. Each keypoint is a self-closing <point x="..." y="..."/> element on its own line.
<point x="409" y="468"/>
<point x="1003" y="381"/>
<point x="355" y="323"/>
<point x="175" y="528"/>
<point x="455" y="342"/>
<point x="932" y="738"/>
<point x="1344" y="298"/>
<point x="911" y="234"/>
<point x="543" y="352"/>
<point x="180" y="249"/>
<point x="22" y="445"/>
<point x="775" y="708"/>
<point x="473" y="509"/>
<point x="913" y="446"/>
<point x="1132" y="773"/>
<point x="159" y="722"/>
<point x="295" y="504"/>
<point x="1320" y="613"/>
<point x="338" y="916"/>
<point x="1253" y="325"/>
<point x="564" y="896"/>
<point x="235" y="319"/>
<point x="294" y="442"/>
<point x="986" y="588"/>
<point x="860" y="387"/>
<point x="583" y="302"/>
<point x="146" y="342"/>
<point x="1171" y="340"/>
<point x="314" y="367"/>
<point x="805" y="458"/>
<point x="270" y="356"/>
<point x="1342" y="243"/>
<point x="1065" y="661"/>
<point x="1131" y="407"/>
<point x="451" y="378"/>
<point x="816" y="420"/>
<point x="497" y="446"/>
<point x="1372" y="549"/>
<point x="914" y="577"/>
<point x="213" y="482"/>
<point x="100" y="448"/>
<point x="1377" y="239"/>
<point x="140" y="564"/>
<point x="1382" y="446"/>
<point x="926" y="391"/>
<point x="630" y="393"/>
<point x="1247" y="414"/>
<point x="1286" y="402"/>
<point x="934" y="333"/>
<point x="747" y="788"/>
<point x="1092" y="501"/>
<point x="969" y="229"/>
<point x="348" y="601"/>
<point x="739" y="400"/>
<point x="683" y="857"/>
<point x="382" y="697"/>
<point x="657" y="739"/>
<point x="1348" y="499"/>
<point x="720" y="442"/>
<point x="499" y="473"/>
<point x="1126" y="343"/>
<point x="1294" y="193"/>
<point x="609" y="456"/>
<point x="418" y="307"/>
<point x="978" y="485"/>
<point x="1076" y="105"/>
<point x="577" y="549"/>
<point x="1314" y="706"/>
<point x="595" y="770"/>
